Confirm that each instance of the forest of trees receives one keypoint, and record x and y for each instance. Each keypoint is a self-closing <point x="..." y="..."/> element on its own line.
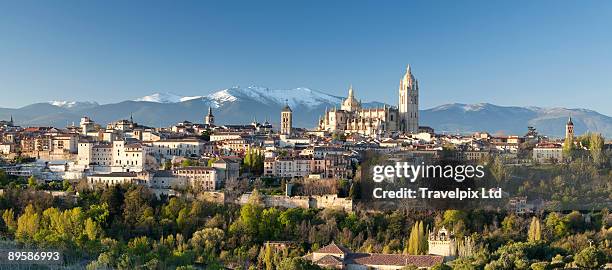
<point x="126" y="226"/>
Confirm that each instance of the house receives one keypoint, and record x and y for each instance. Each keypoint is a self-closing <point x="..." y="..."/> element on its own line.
<point x="227" y="168"/>
<point x="116" y="157"/>
<point x="6" y="148"/>
<point x="181" y="147"/>
<point x="202" y="178"/>
<point x="547" y="152"/>
<point x="338" y="257"/>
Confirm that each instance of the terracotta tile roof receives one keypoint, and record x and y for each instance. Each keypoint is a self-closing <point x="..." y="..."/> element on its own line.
<point x="329" y="260"/>
<point x="333" y="249"/>
<point x="393" y="259"/>
<point x="133" y="145"/>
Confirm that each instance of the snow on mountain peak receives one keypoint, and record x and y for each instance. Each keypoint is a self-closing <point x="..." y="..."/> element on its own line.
<point x="63" y="103"/>
<point x="464" y="107"/>
<point x="166" y="98"/>
<point x="295" y="96"/>
<point x="71" y="104"/>
<point x="160" y="98"/>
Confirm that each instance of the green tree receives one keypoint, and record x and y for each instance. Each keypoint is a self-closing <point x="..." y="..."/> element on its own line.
<point x="441" y="266"/>
<point x="596" y="144"/>
<point x="187" y="163"/>
<point x="137" y="211"/>
<point x="498" y="171"/>
<point x="453" y="216"/>
<point x="3" y="178"/>
<point x="297" y="263"/>
<point x="92" y="229"/>
<point x="535" y="232"/>
<point x="66" y="186"/>
<point x="568" y="148"/>
<point x="269" y="258"/>
<point x="540" y="266"/>
<point x="28" y="224"/>
<point x="9" y="220"/>
<point x="32" y="181"/>
<point x="590" y="258"/>
<point x="207" y="242"/>
<point x="510" y="224"/>
<point x="417" y="243"/>
<point x="556" y="225"/>
<point x="99" y="213"/>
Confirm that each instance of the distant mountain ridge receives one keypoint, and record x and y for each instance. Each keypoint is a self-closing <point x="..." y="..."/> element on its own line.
<point x="462" y="118"/>
<point x="237" y="105"/>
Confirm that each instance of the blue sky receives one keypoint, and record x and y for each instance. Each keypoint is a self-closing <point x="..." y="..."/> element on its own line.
<point x="525" y="53"/>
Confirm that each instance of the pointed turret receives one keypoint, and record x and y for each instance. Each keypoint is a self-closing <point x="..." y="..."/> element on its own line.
<point x="286" y="108"/>
<point x="569" y="128"/>
<point x="408" y="104"/>
<point x="209" y="119"/>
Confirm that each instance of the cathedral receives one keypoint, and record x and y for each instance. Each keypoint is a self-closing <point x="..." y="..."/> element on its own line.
<point x="352" y="118"/>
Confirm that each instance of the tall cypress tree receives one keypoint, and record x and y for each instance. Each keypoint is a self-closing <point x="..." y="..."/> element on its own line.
<point x="535" y="232"/>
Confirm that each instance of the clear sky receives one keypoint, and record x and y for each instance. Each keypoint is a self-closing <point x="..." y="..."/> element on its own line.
<point x="525" y="53"/>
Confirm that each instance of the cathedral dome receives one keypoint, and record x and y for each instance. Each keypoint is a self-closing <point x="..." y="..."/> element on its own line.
<point x="351" y="103"/>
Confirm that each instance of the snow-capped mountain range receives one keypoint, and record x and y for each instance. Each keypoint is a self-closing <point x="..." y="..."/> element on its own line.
<point x="238" y="105"/>
<point x="294" y="97"/>
<point x="165" y="98"/>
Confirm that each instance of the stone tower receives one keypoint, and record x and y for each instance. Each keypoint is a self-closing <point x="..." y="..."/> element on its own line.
<point x="569" y="129"/>
<point x="442" y="243"/>
<point x="209" y="119"/>
<point x="286" y="120"/>
<point x="409" y="102"/>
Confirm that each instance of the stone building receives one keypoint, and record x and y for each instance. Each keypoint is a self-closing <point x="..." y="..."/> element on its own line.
<point x="286" y="120"/>
<point x="353" y="118"/>
<point x="334" y="256"/>
<point x="442" y="243"/>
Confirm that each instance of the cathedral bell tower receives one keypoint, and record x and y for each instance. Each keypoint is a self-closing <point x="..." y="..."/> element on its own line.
<point x="408" y="104"/>
<point x="286" y="120"/>
<point x="209" y="119"/>
<point x="569" y="129"/>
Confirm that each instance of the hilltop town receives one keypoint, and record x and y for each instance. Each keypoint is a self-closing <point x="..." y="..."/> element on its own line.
<point x="307" y="173"/>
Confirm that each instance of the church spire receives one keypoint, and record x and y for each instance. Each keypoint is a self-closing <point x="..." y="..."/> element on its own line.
<point x="350" y="95"/>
